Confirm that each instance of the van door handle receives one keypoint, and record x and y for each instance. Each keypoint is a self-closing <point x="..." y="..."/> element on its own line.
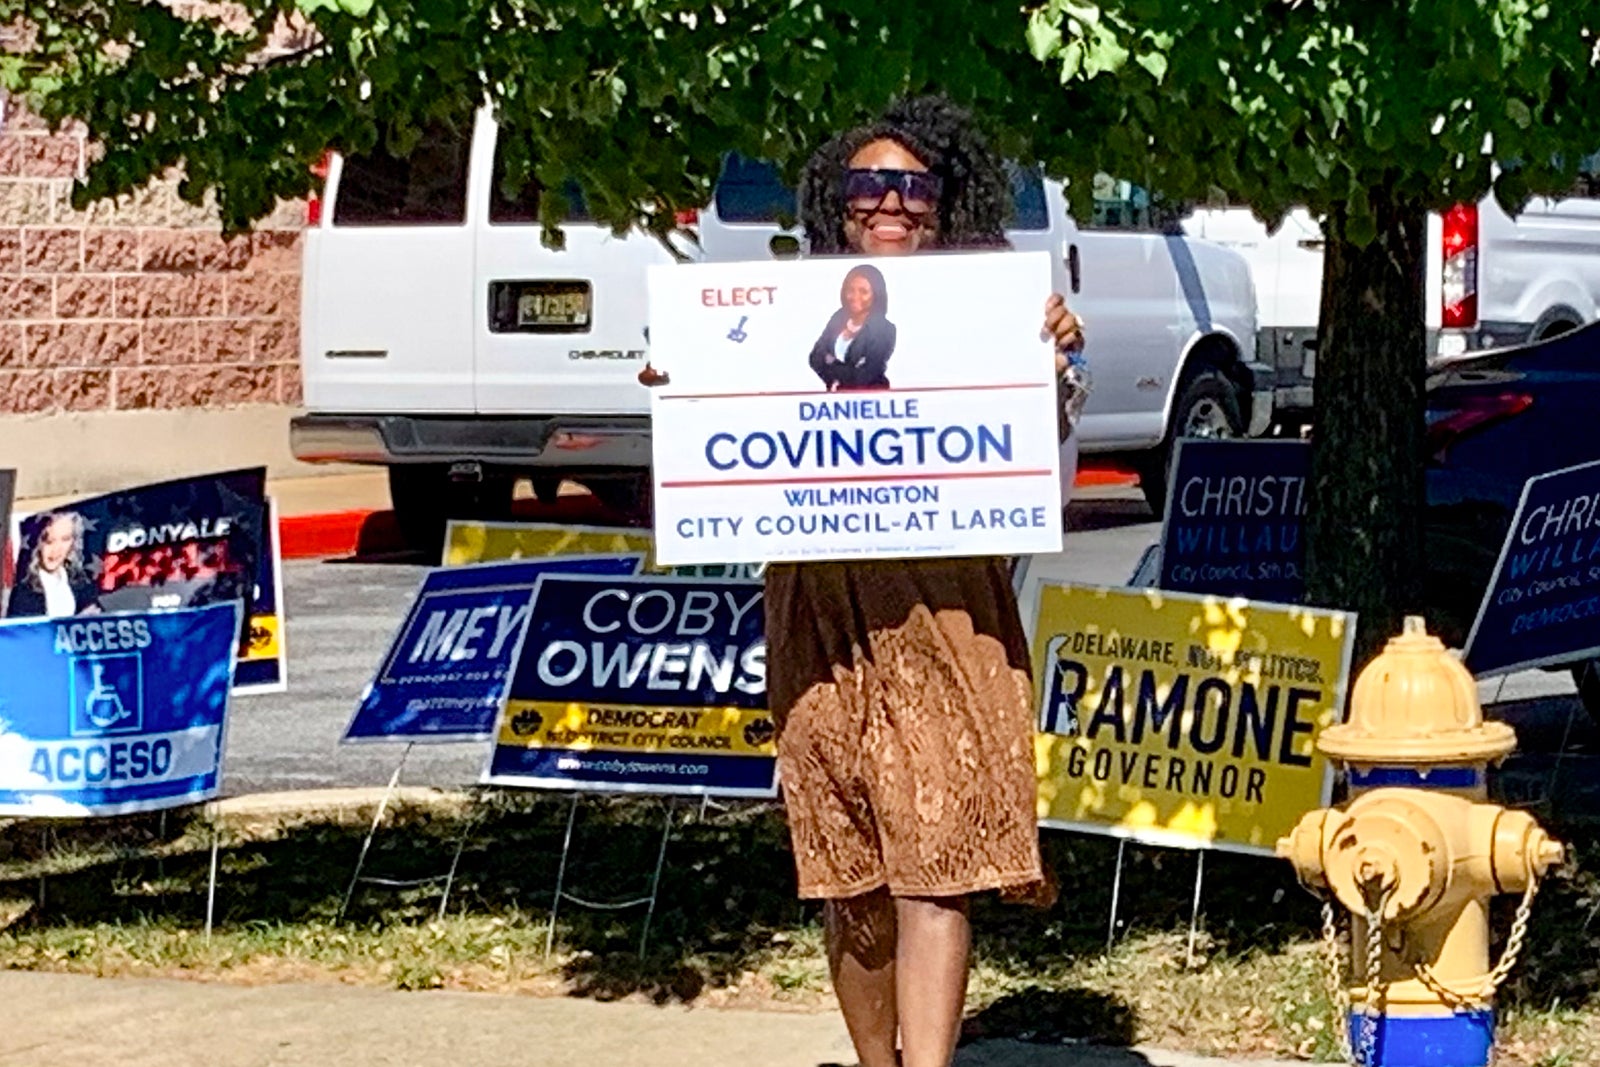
<point x="1311" y="244"/>
<point x="1074" y="270"/>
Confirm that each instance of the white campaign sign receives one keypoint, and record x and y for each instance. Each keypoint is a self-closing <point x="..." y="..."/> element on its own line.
<point x="854" y="409"/>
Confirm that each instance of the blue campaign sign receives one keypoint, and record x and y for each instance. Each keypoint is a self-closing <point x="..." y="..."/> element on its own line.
<point x="263" y="662"/>
<point x="110" y="714"/>
<point x="445" y="674"/>
<point x="1542" y="607"/>
<point x="647" y="684"/>
<point x="180" y="543"/>
<point x="1235" y="523"/>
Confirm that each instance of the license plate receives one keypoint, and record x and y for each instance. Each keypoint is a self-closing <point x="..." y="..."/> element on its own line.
<point x="564" y="304"/>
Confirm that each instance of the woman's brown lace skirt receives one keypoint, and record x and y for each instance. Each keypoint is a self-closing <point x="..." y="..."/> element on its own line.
<point x="905" y="747"/>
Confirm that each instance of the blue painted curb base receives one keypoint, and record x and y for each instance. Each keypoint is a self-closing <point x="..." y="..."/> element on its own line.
<point x="1462" y="1039"/>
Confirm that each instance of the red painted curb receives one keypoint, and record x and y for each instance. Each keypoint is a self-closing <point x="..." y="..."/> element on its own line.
<point x="339" y="533"/>
<point x="368" y="533"/>
<point x="1104" y="476"/>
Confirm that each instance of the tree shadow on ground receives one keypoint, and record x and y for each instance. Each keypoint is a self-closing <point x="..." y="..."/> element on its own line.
<point x="727" y="902"/>
<point x="1009" y="1053"/>
<point x="1054" y="1017"/>
<point x="726" y="909"/>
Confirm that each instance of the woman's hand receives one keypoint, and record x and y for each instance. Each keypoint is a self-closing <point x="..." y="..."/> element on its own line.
<point x="651" y="376"/>
<point x="1062" y="327"/>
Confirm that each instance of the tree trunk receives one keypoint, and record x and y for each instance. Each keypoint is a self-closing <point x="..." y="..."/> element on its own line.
<point x="1365" y="546"/>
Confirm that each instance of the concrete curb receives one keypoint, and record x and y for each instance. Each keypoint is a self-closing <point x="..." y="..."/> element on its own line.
<point x="309" y="803"/>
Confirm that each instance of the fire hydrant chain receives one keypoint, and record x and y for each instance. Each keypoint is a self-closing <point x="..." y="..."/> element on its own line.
<point x="1361" y="1054"/>
<point x="1369" y="1006"/>
<point x="1501" y="971"/>
<point x="1338" y="992"/>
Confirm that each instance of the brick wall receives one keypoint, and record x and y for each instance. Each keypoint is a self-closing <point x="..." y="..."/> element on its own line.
<point x="139" y="303"/>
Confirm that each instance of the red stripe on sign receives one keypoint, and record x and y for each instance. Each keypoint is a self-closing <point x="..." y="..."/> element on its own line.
<point x="861" y="394"/>
<point x="861" y="478"/>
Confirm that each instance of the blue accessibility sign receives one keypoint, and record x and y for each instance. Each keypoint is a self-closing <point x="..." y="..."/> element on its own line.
<point x="446" y="672"/>
<point x="109" y="714"/>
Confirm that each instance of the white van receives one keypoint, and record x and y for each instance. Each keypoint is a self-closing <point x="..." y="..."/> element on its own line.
<point x="442" y="340"/>
<point x="1493" y="281"/>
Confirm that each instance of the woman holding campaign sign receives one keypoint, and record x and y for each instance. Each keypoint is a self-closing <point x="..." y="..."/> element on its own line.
<point x="853" y="351"/>
<point x="902" y="687"/>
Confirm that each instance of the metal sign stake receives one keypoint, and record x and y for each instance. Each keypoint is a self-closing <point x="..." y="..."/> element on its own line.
<point x="561" y="878"/>
<point x="1194" y="912"/>
<point x="211" y="886"/>
<point x="377" y="820"/>
<point x="1116" y="895"/>
<point x="655" y="882"/>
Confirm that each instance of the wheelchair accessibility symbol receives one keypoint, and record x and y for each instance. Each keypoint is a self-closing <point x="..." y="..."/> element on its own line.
<point x="107" y="695"/>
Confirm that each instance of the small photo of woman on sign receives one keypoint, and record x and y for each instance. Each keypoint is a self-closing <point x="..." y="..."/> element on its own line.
<point x="54" y="583"/>
<point x="854" y="349"/>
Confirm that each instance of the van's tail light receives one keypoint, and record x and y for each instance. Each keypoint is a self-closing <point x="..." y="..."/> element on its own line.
<point x="688" y="217"/>
<point x="1459" y="248"/>
<point x="1471" y="415"/>
<point x="314" y="201"/>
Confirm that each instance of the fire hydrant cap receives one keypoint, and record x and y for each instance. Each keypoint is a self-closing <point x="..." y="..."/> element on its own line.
<point x="1415" y="704"/>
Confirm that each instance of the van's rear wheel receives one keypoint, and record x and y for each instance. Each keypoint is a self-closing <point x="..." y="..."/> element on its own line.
<point x="426" y="496"/>
<point x="629" y="495"/>
<point x="1207" y="407"/>
<point x="546" y="487"/>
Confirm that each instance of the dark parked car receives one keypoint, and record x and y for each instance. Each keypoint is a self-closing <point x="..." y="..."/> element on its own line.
<point x="1494" y="421"/>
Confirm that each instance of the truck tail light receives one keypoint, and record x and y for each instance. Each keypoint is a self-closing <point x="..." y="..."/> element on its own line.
<point x="1459" y="273"/>
<point x="688" y="217"/>
<point x="1470" y="416"/>
<point x="314" y="201"/>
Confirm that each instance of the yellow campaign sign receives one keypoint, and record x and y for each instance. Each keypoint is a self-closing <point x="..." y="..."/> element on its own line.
<point x="1184" y="720"/>
<point x="484" y="542"/>
<point x="636" y="728"/>
<point x="264" y="642"/>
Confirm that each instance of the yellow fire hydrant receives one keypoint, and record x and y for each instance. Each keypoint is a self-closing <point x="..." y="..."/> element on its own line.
<point x="1415" y="855"/>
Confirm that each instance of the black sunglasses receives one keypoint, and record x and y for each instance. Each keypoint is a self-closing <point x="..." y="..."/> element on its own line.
<point x="919" y="190"/>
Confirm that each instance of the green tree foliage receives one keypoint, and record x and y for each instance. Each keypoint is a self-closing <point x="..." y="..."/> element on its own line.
<point x="636" y="100"/>
<point x="1314" y="102"/>
<point x="1370" y="113"/>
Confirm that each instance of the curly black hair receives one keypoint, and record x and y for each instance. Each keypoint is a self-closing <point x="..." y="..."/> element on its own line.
<point x="977" y="196"/>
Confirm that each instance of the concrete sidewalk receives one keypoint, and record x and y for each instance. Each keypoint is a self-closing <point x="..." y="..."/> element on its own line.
<point x="47" y="1020"/>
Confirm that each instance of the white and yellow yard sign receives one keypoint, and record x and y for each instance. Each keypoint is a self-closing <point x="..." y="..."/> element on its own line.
<point x="1183" y="720"/>
<point x="482" y="542"/>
